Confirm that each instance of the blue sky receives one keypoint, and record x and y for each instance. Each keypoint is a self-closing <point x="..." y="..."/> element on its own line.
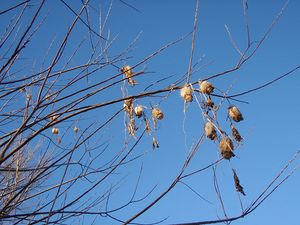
<point x="270" y="128"/>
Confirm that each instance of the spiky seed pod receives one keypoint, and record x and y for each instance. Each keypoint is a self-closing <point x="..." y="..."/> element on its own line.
<point x="210" y="131"/>
<point x="55" y="130"/>
<point x="206" y="87"/>
<point x="235" y="113"/>
<point x="138" y="111"/>
<point x="157" y="114"/>
<point x="187" y="93"/>
<point x="128" y="73"/>
<point x="226" y="147"/>
<point x="236" y="134"/>
<point x="76" y="129"/>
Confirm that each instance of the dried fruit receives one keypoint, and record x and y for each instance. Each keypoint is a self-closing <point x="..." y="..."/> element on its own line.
<point x="187" y="93"/>
<point x="138" y="111"/>
<point x="210" y="131"/>
<point x="128" y="73"/>
<point x="55" y="130"/>
<point x="235" y="113"/>
<point x="206" y="87"/>
<point x="236" y="134"/>
<point x="226" y="148"/>
<point x="157" y="114"/>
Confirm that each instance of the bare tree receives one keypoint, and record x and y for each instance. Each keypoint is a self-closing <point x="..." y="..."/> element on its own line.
<point x="63" y="154"/>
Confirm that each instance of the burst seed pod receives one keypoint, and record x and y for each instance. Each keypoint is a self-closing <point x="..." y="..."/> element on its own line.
<point x="138" y="111"/>
<point x="128" y="106"/>
<point x="236" y="134"/>
<point x="235" y="113"/>
<point x="226" y="148"/>
<point x="157" y="114"/>
<point x="206" y="87"/>
<point x="128" y="73"/>
<point x="187" y="93"/>
<point x="210" y="131"/>
<point x="55" y="130"/>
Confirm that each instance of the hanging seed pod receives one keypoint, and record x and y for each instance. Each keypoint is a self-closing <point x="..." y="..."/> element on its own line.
<point x="154" y="143"/>
<point x="47" y="97"/>
<point x="59" y="140"/>
<point x="128" y="106"/>
<point x="226" y="148"/>
<point x="28" y="97"/>
<point x="138" y="111"/>
<point x="55" y="130"/>
<point x="235" y="113"/>
<point x="210" y="131"/>
<point x="147" y="126"/>
<point x="237" y="184"/>
<point x="206" y="87"/>
<point x="236" y="134"/>
<point x="157" y="114"/>
<point x="210" y="103"/>
<point x="187" y="93"/>
<point x="128" y="73"/>
<point x="52" y="118"/>
<point x="76" y="129"/>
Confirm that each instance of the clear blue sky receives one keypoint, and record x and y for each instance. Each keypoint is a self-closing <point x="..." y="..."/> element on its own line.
<point x="270" y="128"/>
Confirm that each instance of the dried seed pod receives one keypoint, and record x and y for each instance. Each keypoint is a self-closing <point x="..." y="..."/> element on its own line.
<point x="147" y="126"/>
<point x="54" y="117"/>
<point x="154" y="143"/>
<point x="226" y="148"/>
<point x="235" y="113"/>
<point x="128" y="73"/>
<point x="187" y="93"/>
<point x="55" y="130"/>
<point x="236" y="134"/>
<point x="206" y="87"/>
<point x="28" y="97"/>
<point x="47" y="97"/>
<point x="59" y="140"/>
<point x="237" y="184"/>
<point x="138" y="111"/>
<point x="210" y="103"/>
<point x="76" y="129"/>
<point x="128" y="106"/>
<point x="157" y="114"/>
<point x="210" y="131"/>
